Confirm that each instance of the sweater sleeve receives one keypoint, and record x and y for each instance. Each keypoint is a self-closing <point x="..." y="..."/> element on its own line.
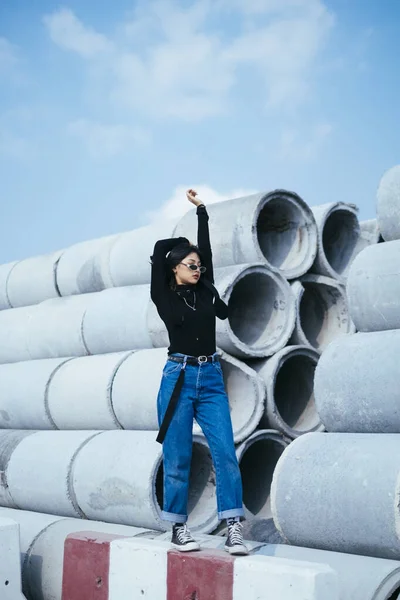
<point x="203" y="242"/>
<point x="158" y="274"/>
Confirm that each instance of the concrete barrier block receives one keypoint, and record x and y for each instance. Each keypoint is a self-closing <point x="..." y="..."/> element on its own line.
<point x="10" y="563"/>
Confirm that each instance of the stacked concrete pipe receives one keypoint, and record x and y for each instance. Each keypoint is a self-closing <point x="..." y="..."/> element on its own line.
<point x="340" y="491"/>
<point x="373" y="288"/>
<point x="42" y="550"/>
<point x="115" y="476"/>
<point x="322" y="312"/>
<point x="388" y="204"/>
<point x="124" y="318"/>
<point x="357" y="383"/>
<point x="109" y="391"/>
<point x="338" y="239"/>
<point x="289" y="382"/>
<point x="5" y="271"/>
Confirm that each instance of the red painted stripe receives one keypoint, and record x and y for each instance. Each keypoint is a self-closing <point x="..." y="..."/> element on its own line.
<point x="86" y="565"/>
<point x="204" y="575"/>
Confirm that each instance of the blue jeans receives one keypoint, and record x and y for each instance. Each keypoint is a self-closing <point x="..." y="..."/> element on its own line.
<point x="203" y="397"/>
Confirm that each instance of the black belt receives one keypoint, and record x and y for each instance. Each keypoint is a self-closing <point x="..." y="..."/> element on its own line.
<point x="173" y="402"/>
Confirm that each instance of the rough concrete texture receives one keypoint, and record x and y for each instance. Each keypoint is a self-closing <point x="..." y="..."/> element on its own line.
<point x="357" y="383"/>
<point x="10" y="572"/>
<point x="276" y="228"/>
<point x="9" y="441"/>
<point x="39" y="471"/>
<point x="373" y="288"/>
<point x="133" y="396"/>
<point x="117" y="477"/>
<point x="289" y="384"/>
<point x="257" y="458"/>
<point x="388" y="205"/>
<point x="79" y="393"/>
<point x="13" y="328"/>
<point x="359" y="577"/>
<point x="41" y="270"/>
<point x="5" y="271"/>
<point x="338" y="239"/>
<point x="340" y="491"/>
<point x="322" y="311"/>
<point x="76" y="271"/>
<point x="369" y="233"/>
<point x="23" y="394"/>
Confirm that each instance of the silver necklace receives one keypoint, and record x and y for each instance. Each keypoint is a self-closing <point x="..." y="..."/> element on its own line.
<point x="187" y="303"/>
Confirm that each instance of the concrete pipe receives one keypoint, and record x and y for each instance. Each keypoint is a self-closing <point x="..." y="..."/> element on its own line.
<point x="322" y="312"/>
<point x="117" y="477"/>
<point x="259" y="324"/>
<point x="369" y="233"/>
<point x="289" y="381"/>
<point x="23" y="394"/>
<point x="42" y="271"/>
<point x="338" y="239"/>
<point x="79" y="393"/>
<point x="357" y="383"/>
<point x="359" y="577"/>
<point x="39" y="471"/>
<point x="134" y="396"/>
<point x="276" y="228"/>
<point x="373" y="288"/>
<point x="257" y="458"/>
<point x="77" y="272"/>
<point x="9" y="441"/>
<point x="388" y="205"/>
<point x="5" y="271"/>
<point x="13" y="327"/>
<point x="340" y="491"/>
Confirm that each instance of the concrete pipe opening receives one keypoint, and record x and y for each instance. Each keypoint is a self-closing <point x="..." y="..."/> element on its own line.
<point x="286" y="233"/>
<point x="258" y="457"/>
<point x="202" y="502"/>
<point x="261" y="311"/>
<point x="340" y="236"/>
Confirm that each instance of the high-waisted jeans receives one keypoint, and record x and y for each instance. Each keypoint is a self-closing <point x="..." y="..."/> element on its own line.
<point x="203" y="397"/>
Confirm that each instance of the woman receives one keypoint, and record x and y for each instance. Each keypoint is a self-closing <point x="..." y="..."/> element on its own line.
<point x="192" y="384"/>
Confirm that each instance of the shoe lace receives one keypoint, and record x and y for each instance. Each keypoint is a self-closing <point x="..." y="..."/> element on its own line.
<point x="235" y="533"/>
<point x="183" y="534"/>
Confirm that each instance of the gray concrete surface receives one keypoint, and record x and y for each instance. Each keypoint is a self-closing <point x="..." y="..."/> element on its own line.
<point x="257" y="457"/>
<point x="289" y="383"/>
<point x="9" y="441"/>
<point x="5" y="271"/>
<point x="340" y="492"/>
<point x="369" y="233"/>
<point x="373" y="288"/>
<point x="322" y="311"/>
<point x="388" y="204"/>
<point x="276" y="227"/>
<point x="338" y="239"/>
<point x="33" y="280"/>
<point x="357" y="383"/>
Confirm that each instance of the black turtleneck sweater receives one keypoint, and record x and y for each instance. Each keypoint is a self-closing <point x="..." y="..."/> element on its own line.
<point x="191" y="332"/>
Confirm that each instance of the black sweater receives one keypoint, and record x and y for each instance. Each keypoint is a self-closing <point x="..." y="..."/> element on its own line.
<point x="190" y="332"/>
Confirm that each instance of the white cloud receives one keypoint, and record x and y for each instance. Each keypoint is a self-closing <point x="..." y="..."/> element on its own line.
<point x="170" y="61"/>
<point x="177" y="205"/>
<point x="67" y="31"/>
<point x="105" y="141"/>
<point x="304" y="146"/>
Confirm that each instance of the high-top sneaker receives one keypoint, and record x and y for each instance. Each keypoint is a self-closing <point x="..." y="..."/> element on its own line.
<point x="182" y="539"/>
<point x="234" y="542"/>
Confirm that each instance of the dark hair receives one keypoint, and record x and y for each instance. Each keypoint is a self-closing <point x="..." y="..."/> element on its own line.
<point x="176" y="256"/>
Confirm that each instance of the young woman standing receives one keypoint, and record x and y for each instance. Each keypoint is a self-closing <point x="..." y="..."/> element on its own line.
<point x="192" y="384"/>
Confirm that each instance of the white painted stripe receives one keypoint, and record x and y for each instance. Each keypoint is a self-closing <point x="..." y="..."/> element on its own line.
<point x="264" y="578"/>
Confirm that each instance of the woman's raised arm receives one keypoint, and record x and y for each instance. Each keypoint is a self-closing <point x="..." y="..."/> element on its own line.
<point x="203" y="235"/>
<point x="158" y="274"/>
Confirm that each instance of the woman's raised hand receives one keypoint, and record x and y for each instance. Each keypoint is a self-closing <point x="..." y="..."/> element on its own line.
<point x="192" y="196"/>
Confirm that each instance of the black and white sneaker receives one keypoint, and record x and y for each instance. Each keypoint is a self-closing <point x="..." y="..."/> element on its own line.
<point x="234" y="543"/>
<point x="182" y="539"/>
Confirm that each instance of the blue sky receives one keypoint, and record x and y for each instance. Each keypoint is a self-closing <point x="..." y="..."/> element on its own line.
<point x="106" y="115"/>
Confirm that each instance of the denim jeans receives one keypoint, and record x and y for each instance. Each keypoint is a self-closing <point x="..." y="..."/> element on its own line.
<point x="203" y="397"/>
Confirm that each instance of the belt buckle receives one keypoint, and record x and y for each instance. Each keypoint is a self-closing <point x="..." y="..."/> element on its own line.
<point x="202" y="359"/>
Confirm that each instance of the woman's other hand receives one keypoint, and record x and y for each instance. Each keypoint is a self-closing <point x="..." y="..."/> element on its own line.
<point x="192" y="196"/>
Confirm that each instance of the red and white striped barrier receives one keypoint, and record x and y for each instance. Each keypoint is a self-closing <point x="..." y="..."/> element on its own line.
<point x="108" y="567"/>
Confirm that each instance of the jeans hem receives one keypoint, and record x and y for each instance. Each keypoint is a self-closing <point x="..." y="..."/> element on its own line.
<point x="228" y="514"/>
<point x="173" y="518"/>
